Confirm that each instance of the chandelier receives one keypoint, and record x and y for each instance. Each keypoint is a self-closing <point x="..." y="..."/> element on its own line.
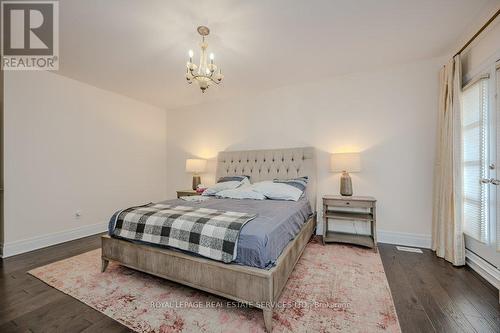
<point x="206" y="73"/>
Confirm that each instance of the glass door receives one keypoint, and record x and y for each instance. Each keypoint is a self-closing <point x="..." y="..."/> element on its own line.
<point x="481" y="160"/>
<point x="496" y="188"/>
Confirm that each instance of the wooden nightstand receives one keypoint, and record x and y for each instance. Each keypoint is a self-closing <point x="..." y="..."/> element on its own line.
<point x="337" y="207"/>
<point x="186" y="193"/>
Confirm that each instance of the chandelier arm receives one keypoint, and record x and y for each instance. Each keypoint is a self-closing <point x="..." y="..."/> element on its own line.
<point x="205" y="77"/>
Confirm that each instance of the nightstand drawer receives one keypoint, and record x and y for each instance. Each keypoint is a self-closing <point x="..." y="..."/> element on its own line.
<point x="186" y="193"/>
<point x="348" y="203"/>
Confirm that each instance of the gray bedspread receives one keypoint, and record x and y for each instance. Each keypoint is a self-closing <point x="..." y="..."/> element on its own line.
<point x="263" y="239"/>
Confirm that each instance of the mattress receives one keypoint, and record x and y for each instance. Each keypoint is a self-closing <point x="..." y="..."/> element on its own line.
<point x="263" y="239"/>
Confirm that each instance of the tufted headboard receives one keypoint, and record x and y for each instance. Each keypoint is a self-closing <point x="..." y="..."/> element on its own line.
<point x="269" y="164"/>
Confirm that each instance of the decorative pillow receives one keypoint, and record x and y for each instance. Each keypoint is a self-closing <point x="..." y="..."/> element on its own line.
<point x="245" y="192"/>
<point x="289" y="189"/>
<point x="232" y="178"/>
<point x="300" y="183"/>
<point x="226" y="185"/>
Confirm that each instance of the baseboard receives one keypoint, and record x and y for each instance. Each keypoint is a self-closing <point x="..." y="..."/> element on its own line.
<point x="404" y="238"/>
<point x="26" y="245"/>
<point x="489" y="272"/>
<point x="398" y="238"/>
<point x="30" y="244"/>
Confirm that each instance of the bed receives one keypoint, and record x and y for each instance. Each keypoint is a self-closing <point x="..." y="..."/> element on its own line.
<point x="260" y="272"/>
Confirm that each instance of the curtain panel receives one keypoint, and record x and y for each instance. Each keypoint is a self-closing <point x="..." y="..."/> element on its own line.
<point x="447" y="226"/>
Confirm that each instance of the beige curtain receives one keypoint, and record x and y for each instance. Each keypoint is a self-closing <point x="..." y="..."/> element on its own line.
<point x="447" y="234"/>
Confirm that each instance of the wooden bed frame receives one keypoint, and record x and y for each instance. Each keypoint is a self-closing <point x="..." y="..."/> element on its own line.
<point x="260" y="288"/>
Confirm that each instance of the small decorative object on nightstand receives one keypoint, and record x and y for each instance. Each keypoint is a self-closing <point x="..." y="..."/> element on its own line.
<point x="345" y="163"/>
<point x="195" y="166"/>
<point x="336" y="207"/>
<point x="186" y="193"/>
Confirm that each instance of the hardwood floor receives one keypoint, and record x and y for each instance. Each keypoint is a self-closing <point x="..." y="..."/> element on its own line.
<point x="29" y="305"/>
<point x="430" y="295"/>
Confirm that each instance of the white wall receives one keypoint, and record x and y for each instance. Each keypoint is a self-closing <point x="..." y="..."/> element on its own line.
<point x="389" y="115"/>
<point x="70" y="146"/>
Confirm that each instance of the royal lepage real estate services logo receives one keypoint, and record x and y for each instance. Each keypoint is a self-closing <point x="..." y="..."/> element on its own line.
<point x="30" y="35"/>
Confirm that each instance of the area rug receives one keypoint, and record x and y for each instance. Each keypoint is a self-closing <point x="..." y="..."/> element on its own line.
<point x="333" y="288"/>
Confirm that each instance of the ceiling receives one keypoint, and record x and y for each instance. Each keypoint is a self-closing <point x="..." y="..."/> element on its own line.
<point x="139" y="48"/>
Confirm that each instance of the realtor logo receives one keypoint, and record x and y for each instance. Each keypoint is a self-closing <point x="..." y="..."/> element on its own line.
<point x="30" y="35"/>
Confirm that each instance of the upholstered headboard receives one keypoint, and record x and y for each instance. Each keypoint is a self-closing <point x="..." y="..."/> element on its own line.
<point x="269" y="164"/>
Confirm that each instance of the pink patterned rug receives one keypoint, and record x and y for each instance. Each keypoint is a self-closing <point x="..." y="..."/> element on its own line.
<point x="333" y="288"/>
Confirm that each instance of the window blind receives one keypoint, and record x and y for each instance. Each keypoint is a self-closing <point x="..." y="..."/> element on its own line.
<point x="498" y="152"/>
<point x="475" y="159"/>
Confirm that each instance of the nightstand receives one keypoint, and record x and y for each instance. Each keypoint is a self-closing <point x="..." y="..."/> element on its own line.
<point x="336" y="207"/>
<point x="186" y="193"/>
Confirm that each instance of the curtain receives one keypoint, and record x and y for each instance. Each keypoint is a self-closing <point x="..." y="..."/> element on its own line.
<point x="447" y="234"/>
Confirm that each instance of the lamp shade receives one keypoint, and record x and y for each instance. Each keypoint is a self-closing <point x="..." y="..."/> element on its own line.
<point x="350" y="162"/>
<point x="194" y="165"/>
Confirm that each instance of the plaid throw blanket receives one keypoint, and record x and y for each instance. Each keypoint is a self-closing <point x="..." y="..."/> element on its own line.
<point x="208" y="232"/>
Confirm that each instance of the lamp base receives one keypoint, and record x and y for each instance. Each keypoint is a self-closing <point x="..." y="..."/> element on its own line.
<point x="196" y="182"/>
<point x="345" y="184"/>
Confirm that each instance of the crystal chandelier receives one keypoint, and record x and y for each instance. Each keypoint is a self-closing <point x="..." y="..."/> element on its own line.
<point x="206" y="73"/>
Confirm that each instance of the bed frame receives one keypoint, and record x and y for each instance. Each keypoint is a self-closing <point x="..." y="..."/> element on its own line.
<point x="260" y="288"/>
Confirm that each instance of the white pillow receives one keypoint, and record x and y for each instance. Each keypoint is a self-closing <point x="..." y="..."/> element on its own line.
<point x="216" y="188"/>
<point x="243" y="192"/>
<point x="277" y="191"/>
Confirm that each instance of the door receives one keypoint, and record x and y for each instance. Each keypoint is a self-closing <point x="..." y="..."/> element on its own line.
<point x="497" y="175"/>
<point x="481" y="159"/>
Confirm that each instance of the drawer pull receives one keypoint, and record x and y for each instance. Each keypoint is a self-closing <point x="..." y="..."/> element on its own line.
<point x="347" y="203"/>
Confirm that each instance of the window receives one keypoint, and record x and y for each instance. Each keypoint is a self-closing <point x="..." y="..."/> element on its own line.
<point x="475" y="158"/>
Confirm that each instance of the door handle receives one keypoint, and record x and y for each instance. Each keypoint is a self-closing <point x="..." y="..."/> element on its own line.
<point x="492" y="181"/>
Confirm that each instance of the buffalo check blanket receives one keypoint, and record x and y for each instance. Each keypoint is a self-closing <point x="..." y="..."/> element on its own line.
<point x="208" y="232"/>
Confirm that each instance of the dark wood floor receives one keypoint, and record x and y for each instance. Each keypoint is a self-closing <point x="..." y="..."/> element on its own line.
<point x="430" y="295"/>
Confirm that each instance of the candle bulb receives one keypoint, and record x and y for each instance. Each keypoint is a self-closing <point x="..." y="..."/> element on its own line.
<point x="212" y="58"/>
<point x="191" y="53"/>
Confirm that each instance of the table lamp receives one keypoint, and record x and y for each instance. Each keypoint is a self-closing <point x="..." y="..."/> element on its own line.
<point x="345" y="163"/>
<point x="195" y="166"/>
